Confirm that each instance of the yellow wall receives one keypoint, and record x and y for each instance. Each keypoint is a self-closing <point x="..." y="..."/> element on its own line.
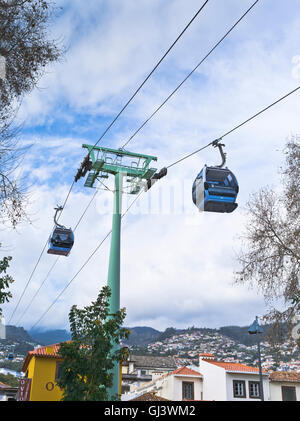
<point x="43" y="386"/>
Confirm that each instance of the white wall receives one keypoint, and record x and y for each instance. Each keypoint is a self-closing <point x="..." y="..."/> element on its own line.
<point x="165" y="387"/>
<point x="275" y="390"/>
<point x="247" y="378"/>
<point x="214" y="382"/>
<point x="177" y="386"/>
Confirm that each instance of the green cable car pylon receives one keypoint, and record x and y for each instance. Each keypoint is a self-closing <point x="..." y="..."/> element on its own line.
<point x="126" y="167"/>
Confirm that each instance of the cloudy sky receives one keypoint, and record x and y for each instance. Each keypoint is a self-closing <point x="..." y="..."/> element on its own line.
<point x="177" y="264"/>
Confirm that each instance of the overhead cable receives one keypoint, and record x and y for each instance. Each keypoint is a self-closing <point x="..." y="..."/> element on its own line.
<point x="190" y="74"/>
<point x="234" y="128"/>
<point x="169" y="166"/>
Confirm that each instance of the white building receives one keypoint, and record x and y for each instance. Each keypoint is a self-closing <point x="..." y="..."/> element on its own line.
<point x="8" y="393"/>
<point x="229" y="381"/>
<point x="285" y="386"/>
<point x="179" y="385"/>
<point x="216" y="380"/>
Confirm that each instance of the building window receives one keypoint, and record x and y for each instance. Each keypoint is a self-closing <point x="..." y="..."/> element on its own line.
<point x="254" y="390"/>
<point x="58" y="371"/>
<point x="288" y="393"/>
<point x="188" y="390"/>
<point x="239" y="389"/>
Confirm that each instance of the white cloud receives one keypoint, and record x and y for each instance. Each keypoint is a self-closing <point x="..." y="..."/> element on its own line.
<point x="177" y="268"/>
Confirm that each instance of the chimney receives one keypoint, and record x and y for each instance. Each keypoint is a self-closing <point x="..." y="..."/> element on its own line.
<point x="205" y="356"/>
<point x="49" y="349"/>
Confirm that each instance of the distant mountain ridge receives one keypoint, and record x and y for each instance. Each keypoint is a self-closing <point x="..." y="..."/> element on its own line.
<point x="139" y="336"/>
<point x="50" y="337"/>
<point x="14" y="333"/>
<point x="142" y="335"/>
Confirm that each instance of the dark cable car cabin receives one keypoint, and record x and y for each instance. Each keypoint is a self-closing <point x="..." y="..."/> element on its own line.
<point x="215" y="189"/>
<point x="10" y="356"/>
<point x="61" y="240"/>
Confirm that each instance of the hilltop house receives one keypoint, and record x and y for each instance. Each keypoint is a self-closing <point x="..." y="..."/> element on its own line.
<point x="179" y="385"/>
<point x="236" y="382"/>
<point x="211" y="381"/>
<point x="139" y="370"/>
<point x="216" y="380"/>
<point x="285" y="386"/>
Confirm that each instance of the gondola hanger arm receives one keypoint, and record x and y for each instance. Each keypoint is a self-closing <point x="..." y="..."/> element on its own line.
<point x="217" y="144"/>
<point x="58" y="209"/>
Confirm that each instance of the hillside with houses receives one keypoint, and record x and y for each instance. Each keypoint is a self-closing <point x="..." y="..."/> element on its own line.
<point x="184" y="345"/>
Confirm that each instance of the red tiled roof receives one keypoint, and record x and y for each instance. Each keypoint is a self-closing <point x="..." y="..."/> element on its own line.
<point x="205" y="354"/>
<point x="4" y="386"/>
<point x="48" y="351"/>
<point x="229" y="366"/>
<point x="185" y="371"/>
<point x="149" y="396"/>
<point x="284" y="376"/>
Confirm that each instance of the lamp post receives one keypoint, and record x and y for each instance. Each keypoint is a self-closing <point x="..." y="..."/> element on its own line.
<point x="253" y="330"/>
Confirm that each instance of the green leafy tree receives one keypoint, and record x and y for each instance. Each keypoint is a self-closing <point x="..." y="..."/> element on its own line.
<point x="5" y="281"/>
<point x="9" y="379"/>
<point x="90" y="356"/>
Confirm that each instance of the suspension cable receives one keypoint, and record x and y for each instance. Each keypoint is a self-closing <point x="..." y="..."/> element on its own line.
<point x="190" y="74"/>
<point x="84" y="264"/>
<point x="151" y="73"/>
<point x="235" y="128"/>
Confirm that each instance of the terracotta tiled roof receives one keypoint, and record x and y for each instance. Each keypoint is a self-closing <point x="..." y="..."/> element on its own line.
<point x="48" y="351"/>
<point x="185" y="371"/>
<point x="4" y="386"/>
<point x="229" y="366"/>
<point x="206" y="354"/>
<point x="150" y="396"/>
<point x="284" y="376"/>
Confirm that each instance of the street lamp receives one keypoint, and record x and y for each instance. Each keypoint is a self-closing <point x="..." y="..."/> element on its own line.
<point x="253" y="330"/>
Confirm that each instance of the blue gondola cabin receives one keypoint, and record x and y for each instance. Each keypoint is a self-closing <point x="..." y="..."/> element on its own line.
<point x="215" y="189"/>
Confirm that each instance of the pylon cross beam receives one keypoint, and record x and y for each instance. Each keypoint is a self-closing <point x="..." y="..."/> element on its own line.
<point x="107" y="161"/>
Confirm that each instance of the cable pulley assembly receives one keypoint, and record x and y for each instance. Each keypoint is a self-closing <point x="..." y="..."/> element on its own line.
<point x="157" y="176"/>
<point x="85" y="166"/>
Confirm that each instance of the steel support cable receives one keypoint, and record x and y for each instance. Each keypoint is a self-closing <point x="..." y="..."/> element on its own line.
<point x="56" y="260"/>
<point x="190" y="74"/>
<point x="39" y="259"/>
<point x="84" y="264"/>
<point x="151" y="73"/>
<point x="178" y="87"/>
<point x="28" y="282"/>
<point x="169" y="166"/>
<point x="236" y="127"/>
<point x="111" y="124"/>
<point x="119" y="114"/>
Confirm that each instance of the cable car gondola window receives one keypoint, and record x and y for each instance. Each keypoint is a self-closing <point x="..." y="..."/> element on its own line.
<point x="215" y="188"/>
<point x="62" y="239"/>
